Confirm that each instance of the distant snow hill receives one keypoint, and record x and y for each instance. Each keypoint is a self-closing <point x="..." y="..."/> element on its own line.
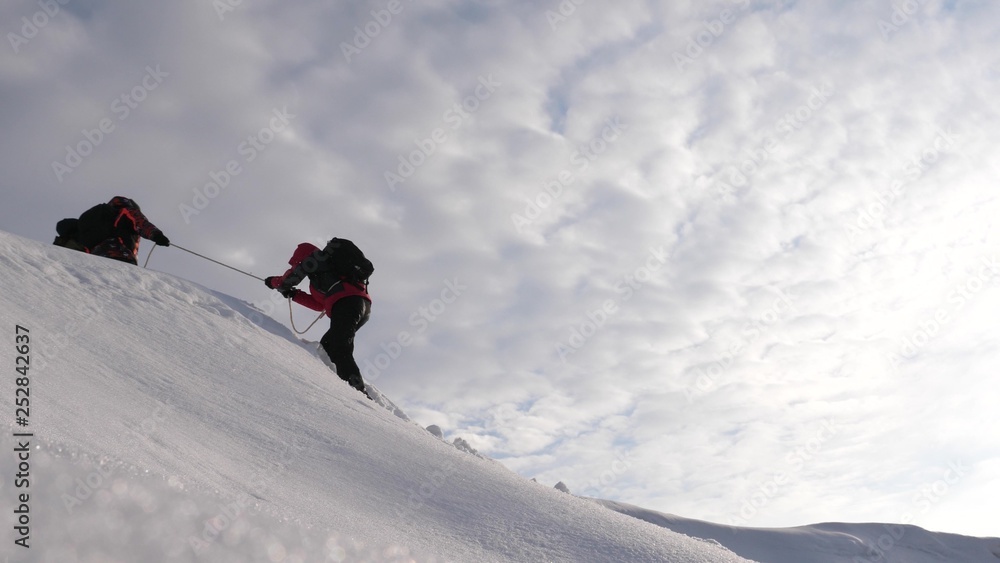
<point x="828" y="543"/>
<point x="168" y="422"/>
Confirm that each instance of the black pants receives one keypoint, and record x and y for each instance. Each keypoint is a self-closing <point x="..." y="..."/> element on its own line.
<point x="346" y="317"/>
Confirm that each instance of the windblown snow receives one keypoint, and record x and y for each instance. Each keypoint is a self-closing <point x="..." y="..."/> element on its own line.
<point x="170" y="422"/>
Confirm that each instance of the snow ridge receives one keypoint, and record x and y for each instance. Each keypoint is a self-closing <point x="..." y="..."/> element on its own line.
<point x="172" y="422"/>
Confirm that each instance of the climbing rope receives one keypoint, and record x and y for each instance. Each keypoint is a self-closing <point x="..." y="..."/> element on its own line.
<point x="216" y="261"/>
<point x="148" y="255"/>
<point x="292" y="319"/>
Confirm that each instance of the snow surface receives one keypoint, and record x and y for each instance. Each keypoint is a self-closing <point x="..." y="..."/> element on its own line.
<point x="828" y="543"/>
<point x="175" y="423"/>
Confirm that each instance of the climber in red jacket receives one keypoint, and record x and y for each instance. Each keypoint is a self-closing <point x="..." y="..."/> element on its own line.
<point x="338" y="286"/>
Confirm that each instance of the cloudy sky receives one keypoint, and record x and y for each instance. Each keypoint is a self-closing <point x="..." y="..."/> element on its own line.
<point x="732" y="260"/>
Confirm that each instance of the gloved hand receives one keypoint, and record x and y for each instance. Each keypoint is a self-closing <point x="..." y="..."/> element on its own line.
<point x="160" y="239"/>
<point x="289" y="292"/>
<point x="268" y="282"/>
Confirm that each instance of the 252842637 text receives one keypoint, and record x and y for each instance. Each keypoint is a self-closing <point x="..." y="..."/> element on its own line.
<point x="22" y="416"/>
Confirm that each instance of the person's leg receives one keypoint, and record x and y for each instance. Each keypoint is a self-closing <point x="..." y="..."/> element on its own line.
<point x="346" y="316"/>
<point x="114" y="249"/>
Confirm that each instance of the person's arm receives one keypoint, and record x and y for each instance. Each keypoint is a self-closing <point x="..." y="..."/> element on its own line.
<point x="307" y="300"/>
<point x="283" y="284"/>
<point x="293" y="276"/>
<point x="298" y="262"/>
<point x="143" y="226"/>
<point x="303" y="298"/>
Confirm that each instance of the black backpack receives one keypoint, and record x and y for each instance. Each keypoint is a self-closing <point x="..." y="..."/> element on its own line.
<point x="104" y="221"/>
<point x="66" y="233"/>
<point x="340" y="260"/>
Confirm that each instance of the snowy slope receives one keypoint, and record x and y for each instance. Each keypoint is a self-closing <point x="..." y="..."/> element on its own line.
<point x="829" y="543"/>
<point x="170" y="427"/>
<point x="176" y="423"/>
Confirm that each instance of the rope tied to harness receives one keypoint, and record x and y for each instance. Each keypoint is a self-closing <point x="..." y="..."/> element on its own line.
<point x="291" y="319"/>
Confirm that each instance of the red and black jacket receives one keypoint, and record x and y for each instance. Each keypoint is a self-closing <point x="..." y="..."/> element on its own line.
<point x="120" y="219"/>
<point x="315" y="299"/>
